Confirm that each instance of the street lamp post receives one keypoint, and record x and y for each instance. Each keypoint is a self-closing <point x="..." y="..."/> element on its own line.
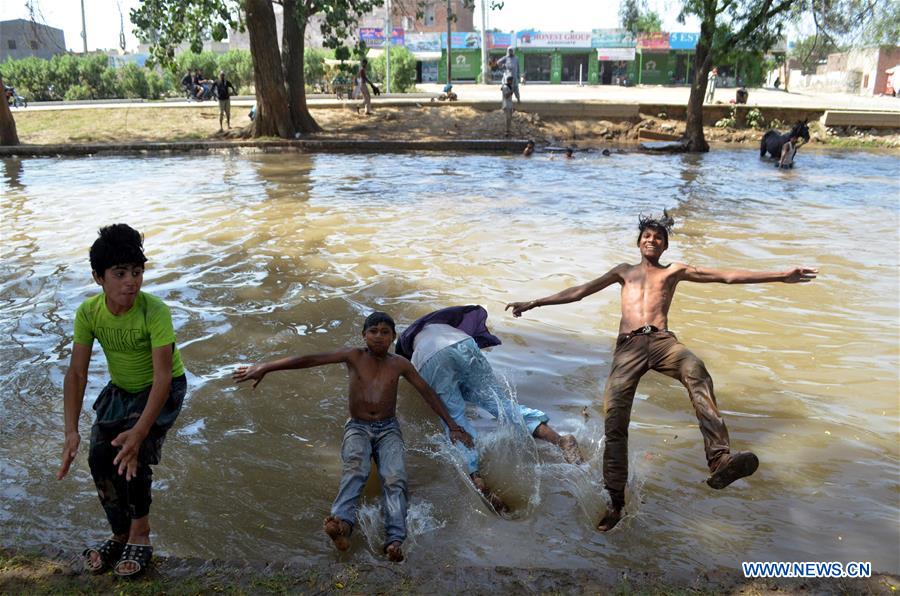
<point x="388" y="37"/>
<point x="449" y="42"/>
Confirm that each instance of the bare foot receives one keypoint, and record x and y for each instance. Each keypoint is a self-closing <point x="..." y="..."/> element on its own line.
<point x="610" y="520"/>
<point x="492" y="497"/>
<point x="339" y="532"/>
<point x="394" y="552"/>
<point x="569" y="447"/>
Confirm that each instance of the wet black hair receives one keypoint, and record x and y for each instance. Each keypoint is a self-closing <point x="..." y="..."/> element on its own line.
<point x="661" y="224"/>
<point x="378" y="317"/>
<point x="118" y="244"/>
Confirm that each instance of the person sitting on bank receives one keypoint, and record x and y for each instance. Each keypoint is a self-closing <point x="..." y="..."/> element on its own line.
<point x="445" y="347"/>
<point x="645" y="343"/>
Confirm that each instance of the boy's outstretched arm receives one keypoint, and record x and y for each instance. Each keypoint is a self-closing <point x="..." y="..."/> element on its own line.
<point x="257" y="372"/>
<point x="73" y="396"/>
<point x="739" y="276"/>
<point x="573" y="294"/>
<point x="433" y="399"/>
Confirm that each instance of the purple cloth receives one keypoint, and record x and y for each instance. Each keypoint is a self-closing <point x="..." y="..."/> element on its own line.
<point x="470" y="319"/>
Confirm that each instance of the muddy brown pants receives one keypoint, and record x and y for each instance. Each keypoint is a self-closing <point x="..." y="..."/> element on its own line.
<point x="661" y="351"/>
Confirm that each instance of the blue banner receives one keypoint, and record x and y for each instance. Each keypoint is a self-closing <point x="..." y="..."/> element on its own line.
<point x="683" y="41"/>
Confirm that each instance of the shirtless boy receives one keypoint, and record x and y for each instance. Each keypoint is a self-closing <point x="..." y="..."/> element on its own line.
<point x="645" y="343"/>
<point x="372" y="430"/>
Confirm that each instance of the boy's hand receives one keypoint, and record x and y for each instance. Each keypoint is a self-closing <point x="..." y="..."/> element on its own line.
<point x="459" y="434"/>
<point x="800" y="275"/>
<point x="247" y="373"/>
<point x="519" y="307"/>
<point x="70" y="448"/>
<point x="127" y="458"/>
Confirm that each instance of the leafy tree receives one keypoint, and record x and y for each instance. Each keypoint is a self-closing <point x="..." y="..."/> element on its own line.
<point x="811" y="51"/>
<point x="726" y="25"/>
<point x="279" y="77"/>
<point x="313" y="67"/>
<point x="238" y="67"/>
<point x="205" y="62"/>
<point x="133" y="81"/>
<point x="403" y="69"/>
<point x="637" y="18"/>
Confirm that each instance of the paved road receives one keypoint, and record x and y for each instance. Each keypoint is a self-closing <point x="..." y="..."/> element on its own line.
<point x="538" y="92"/>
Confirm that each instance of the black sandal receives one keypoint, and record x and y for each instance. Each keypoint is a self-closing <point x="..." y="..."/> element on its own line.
<point x="110" y="552"/>
<point x="139" y="554"/>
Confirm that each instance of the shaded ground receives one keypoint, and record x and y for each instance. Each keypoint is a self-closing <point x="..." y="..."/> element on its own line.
<point x="59" y="572"/>
<point x="419" y="121"/>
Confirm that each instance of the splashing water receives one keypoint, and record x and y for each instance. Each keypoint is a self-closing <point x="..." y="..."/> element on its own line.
<point x="420" y="520"/>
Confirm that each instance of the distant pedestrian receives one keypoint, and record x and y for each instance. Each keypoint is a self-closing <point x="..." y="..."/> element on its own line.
<point x="711" y="84"/>
<point x="506" y="90"/>
<point x="364" y="81"/>
<point x="221" y="88"/>
<point x="510" y="65"/>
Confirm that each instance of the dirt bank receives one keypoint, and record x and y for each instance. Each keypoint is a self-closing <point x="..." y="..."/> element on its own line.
<point x="422" y="121"/>
<point x="60" y="573"/>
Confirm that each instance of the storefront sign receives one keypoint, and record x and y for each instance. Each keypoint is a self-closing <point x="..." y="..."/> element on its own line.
<point x="653" y="41"/>
<point x="612" y="38"/>
<point x="374" y="37"/>
<point x="553" y="39"/>
<point x="680" y="40"/>
<point x="463" y="40"/>
<point x="615" y="54"/>
<point x="499" y="40"/>
<point x="423" y="42"/>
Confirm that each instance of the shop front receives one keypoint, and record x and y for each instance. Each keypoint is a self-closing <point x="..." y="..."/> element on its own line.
<point x="615" y="58"/>
<point x="655" y="63"/>
<point x="555" y="56"/>
<point x="465" y="56"/>
<point x="426" y="49"/>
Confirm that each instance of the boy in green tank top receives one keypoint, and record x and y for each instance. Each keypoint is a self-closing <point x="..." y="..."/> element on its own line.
<point x="138" y="406"/>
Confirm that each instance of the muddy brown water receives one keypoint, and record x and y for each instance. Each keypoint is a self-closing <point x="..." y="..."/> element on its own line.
<point x="261" y="256"/>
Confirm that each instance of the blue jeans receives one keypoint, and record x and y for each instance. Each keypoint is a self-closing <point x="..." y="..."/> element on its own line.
<point x="382" y="440"/>
<point x="461" y="374"/>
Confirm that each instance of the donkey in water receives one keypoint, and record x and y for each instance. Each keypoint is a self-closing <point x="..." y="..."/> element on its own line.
<point x="772" y="141"/>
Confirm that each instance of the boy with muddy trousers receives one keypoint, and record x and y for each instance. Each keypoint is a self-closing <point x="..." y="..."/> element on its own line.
<point x="645" y="343"/>
<point x="372" y="430"/>
<point x="139" y="405"/>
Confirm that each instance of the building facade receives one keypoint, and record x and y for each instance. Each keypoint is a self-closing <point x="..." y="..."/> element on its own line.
<point x="22" y="39"/>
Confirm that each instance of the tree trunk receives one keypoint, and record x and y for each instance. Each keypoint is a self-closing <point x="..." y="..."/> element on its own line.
<point x="693" y="132"/>
<point x="273" y="115"/>
<point x="8" y="134"/>
<point x="292" y="52"/>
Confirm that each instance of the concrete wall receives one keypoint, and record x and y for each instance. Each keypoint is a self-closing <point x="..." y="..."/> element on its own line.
<point x="30" y="39"/>
<point x="859" y="72"/>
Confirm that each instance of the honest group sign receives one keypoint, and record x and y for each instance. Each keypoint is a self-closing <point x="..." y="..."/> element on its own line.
<point x="553" y="39"/>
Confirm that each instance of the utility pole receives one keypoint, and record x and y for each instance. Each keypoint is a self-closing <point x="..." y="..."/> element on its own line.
<point x="388" y="37"/>
<point x="83" y="28"/>
<point x="485" y="71"/>
<point x="449" y="42"/>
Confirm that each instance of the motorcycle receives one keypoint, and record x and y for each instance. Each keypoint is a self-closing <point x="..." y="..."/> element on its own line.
<point x="14" y="99"/>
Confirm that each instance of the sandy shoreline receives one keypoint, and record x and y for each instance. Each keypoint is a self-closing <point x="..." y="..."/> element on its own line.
<point x="55" y="571"/>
